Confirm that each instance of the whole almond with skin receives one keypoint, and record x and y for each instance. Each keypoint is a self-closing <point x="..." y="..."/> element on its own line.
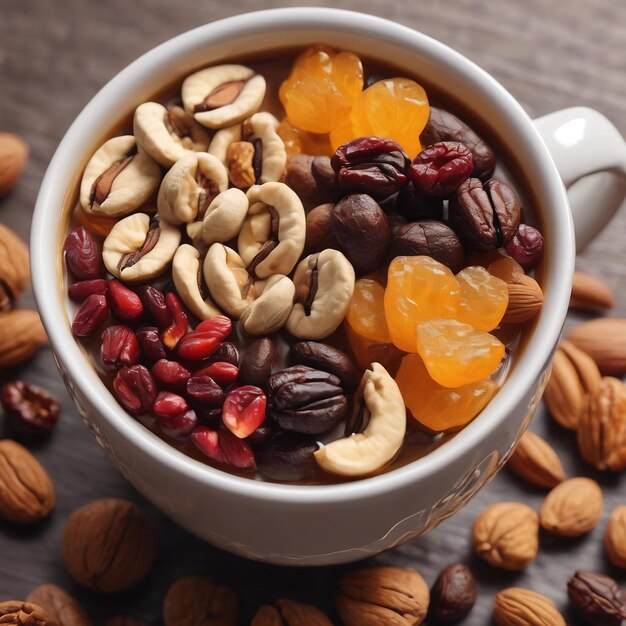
<point x="14" y="267"/>
<point x="601" y="430"/>
<point x="13" y="158"/>
<point x="108" y="545"/>
<point x="382" y="596"/>
<point x="574" y="375"/>
<point x="535" y="462"/>
<point x="572" y="508"/>
<point x="506" y="535"/>
<point x="615" y="537"/>
<point x="59" y="604"/>
<point x="26" y="492"/>
<point x="525" y="300"/>
<point x="289" y="613"/>
<point x="604" y="340"/>
<point x="21" y="336"/>
<point x="21" y="613"/>
<point x="522" y="607"/>
<point x="198" y="601"/>
<point x="590" y="293"/>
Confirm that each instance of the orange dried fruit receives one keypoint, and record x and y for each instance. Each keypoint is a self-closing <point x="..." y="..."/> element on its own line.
<point x="484" y="298"/>
<point x="300" y="142"/>
<point x="366" y="313"/>
<point x="366" y="351"/>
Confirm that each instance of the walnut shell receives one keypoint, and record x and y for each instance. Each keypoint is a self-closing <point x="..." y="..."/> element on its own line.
<point x="108" y="545"/>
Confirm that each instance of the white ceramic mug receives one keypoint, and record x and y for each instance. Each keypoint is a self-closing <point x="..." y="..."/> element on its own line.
<point x="295" y="524"/>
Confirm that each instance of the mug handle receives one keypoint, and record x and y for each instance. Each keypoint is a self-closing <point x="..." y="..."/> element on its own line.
<point x="590" y="154"/>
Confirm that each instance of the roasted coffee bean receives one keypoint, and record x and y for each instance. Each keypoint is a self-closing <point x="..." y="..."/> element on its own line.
<point x="414" y="206"/>
<point x="31" y="410"/>
<point x="256" y="366"/>
<point x="261" y="435"/>
<point x="152" y="347"/>
<point x="597" y="599"/>
<point x="328" y="359"/>
<point x="312" y="178"/>
<point x="526" y="247"/>
<point x="430" y="238"/>
<point x="443" y="126"/>
<point x="83" y="256"/>
<point x="487" y="216"/>
<point x="287" y="457"/>
<point x="453" y="595"/>
<point x="135" y="389"/>
<point x="370" y="165"/>
<point x="305" y="400"/>
<point x="439" y="169"/>
<point x="362" y="231"/>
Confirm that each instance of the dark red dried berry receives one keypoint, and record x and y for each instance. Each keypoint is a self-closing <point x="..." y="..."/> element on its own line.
<point x="178" y="426"/>
<point x="223" y="447"/>
<point x="204" y="392"/>
<point x="152" y="347"/>
<point x="82" y="254"/>
<point x="171" y="373"/>
<point x="225" y="353"/>
<point x="222" y="373"/>
<point x="90" y="316"/>
<point x="439" y="169"/>
<point x="168" y="404"/>
<point x="526" y="247"/>
<point x="243" y="410"/>
<point x="83" y="289"/>
<point x="120" y="347"/>
<point x="219" y="326"/>
<point x="154" y="305"/>
<point x="196" y="346"/>
<point x="135" y="389"/>
<point x="31" y="410"/>
<point x="180" y="324"/>
<point x="125" y="304"/>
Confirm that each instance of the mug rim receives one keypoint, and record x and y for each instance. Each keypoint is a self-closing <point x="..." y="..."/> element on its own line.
<point x="44" y="261"/>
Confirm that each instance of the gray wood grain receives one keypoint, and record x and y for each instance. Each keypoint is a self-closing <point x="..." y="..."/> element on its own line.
<point x="54" y="56"/>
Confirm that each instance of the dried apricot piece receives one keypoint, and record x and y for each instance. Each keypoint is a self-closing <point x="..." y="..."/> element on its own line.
<point x="484" y="298"/>
<point x="436" y="407"/>
<point x="366" y="351"/>
<point x="366" y="313"/>
<point x="506" y="269"/>
<point x="456" y="354"/>
<point x="300" y="142"/>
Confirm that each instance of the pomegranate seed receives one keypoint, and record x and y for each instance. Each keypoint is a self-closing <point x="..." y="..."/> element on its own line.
<point x="226" y="353"/>
<point x="135" y="389"/>
<point x="120" y="347"/>
<point x="243" y="411"/>
<point x="154" y="303"/>
<point x="171" y="373"/>
<point x="168" y="404"/>
<point x="125" y="304"/>
<point x="178" y="426"/>
<point x="223" y="447"/>
<point x="90" y="316"/>
<point x="151" y="344"/>
<point x="179" y="326"/>
<point x="218" y="326"/>
<point x="197" y="346"/>
<point x="82" y="254"/>
<point x="83" y="289"/>
<point x="222" y="373"/>
<point x="32" y="411"/>
<point x="203" y="391"/>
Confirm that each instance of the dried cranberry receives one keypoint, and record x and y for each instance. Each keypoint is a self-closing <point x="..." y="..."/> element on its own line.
<point x="196" y="346"/>
<point x="171" y="335"/>
<point x="171" y="373"/>
<point x="151" y="345"/>
<point x="135" y="389"/>
<point x="370" y="165"/>
<point x="154" y="304"/>
<point x="83" y="289"/>
<point x="218" y="326"/>
<point x="125" y="304"/>
<point x="439" y="169"/>
<point x="32" y="411"/>
<point x="120" y="347"/>
<point x="90" y="316"/>
<point x="82" y="254"/>
<point x="526" y="247"/>
<point x="204" y="392"/>
<point x="223" y="447"/>
<point x="225" y="353"/>
<point x="243" y="410"/>
<point x="168" y="404"/>
<point x="222" y="373"/>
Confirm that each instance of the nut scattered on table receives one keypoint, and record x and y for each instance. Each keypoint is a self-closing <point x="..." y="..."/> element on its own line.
<point x="597" y="599"/>
<point x="21" y="335"/>
<point x="536" y="462"/>
<point x="590" y="293"/>
<point x="18" y="613"/>
<point x="59" y="604"/>
<point x="289" y="613"/>
<point x="604" y="340"/>
<point x="522" y="607"/>
<point x="13" y="158"/>
<point x="525" y="300"/>
<point x="453" y="595"/>
<point x="615" y="537"/>
<point x="14" y="267"/>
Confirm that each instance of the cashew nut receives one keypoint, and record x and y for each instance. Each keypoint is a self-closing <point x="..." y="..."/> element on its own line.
<point x="189" y="283"/>
<point x="269" y="312"/>
<point x="140" y="248"/>
<point x="324" y="287"/>
<point x="118" y="178"/>
<point x="261" y="128"/>
<point x="222" y="139"/>
<point x="223" y="95"/>
<point x="228" y="281"/>
<point x="224" y="217"/>
<point x="365" y="452"/>
<point x="190" y="186"/>
<point x="271" y="239"/>
<point x="168" y="134"/>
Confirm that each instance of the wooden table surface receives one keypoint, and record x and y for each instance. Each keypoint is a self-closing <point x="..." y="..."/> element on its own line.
<point x="54" y="56"/>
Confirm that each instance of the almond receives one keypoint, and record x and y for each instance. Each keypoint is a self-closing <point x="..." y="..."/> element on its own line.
<point x="522" y="607"/>
<point x="572" y="508"/>
<point x="24" y="614"/>
<point x="574" y="375"/>
<point x="506" y="535"/>
<point x="14" y="267"/>
<point x="602" y="426"/>
<point x="13" y="157"/>
<point x="525" y="300"/>
<point x="289" y="613"/>
<point x="590" y="293"/>
<point x="26" y="492"/>
<point x="21" y="335"/>
<point x="535" y="462"/>
<point x="615" y="537"/>
<point x="59" y="604"/>
<point x="604" y="340"/>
